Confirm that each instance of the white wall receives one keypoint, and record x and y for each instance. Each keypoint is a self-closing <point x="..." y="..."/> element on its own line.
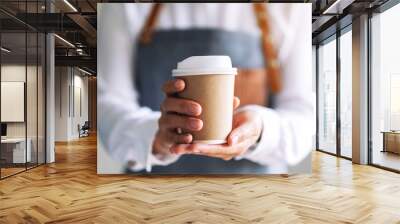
<point x="62" y="81"/>
<point x="79" y="117"/>
<point x="17" y="73"/>
<point x="14" y="73"/>
<point x="70" y="109"/>
<point x="10" y="73"/>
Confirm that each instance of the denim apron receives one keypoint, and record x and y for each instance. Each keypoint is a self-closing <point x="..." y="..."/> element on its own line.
<point x="153" y="66"/>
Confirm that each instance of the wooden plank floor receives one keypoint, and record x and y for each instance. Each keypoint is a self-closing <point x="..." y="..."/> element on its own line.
<point x="70" y="191"/>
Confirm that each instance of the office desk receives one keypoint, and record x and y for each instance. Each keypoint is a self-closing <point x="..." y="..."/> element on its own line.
<point x="13" y="150"/>
<point x="391" y="141"/>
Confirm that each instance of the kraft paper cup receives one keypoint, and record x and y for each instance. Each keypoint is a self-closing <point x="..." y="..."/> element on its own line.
<point x="210" y="81"/>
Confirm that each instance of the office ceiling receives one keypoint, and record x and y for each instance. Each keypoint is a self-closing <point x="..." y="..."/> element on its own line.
<point x="76" y="22"/>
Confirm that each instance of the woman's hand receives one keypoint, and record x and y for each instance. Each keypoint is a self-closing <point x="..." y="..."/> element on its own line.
<point x="177" y="114"/>
<point x="247" y="128"/>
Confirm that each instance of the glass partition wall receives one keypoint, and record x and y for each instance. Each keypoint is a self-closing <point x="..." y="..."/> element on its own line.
<point x="334" y="105"/>
<point x="22" y="107"/>
<point x="14" y="153"/>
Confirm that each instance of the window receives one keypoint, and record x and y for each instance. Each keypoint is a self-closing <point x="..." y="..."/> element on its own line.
<point x="327" y="96"/>
<point x="346" y="94"/>
<point x="385" y="87"/>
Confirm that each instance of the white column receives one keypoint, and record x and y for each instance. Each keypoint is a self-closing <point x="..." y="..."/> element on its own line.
<point x="50" y="92"/>
<point x="360" y="90"/>
<point x="50" y="99"/>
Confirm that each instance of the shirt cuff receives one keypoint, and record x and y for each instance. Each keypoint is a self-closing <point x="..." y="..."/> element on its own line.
<point x="150" y="159"/>
<point x="270" y="136"/>
<point x="160" y="160"/>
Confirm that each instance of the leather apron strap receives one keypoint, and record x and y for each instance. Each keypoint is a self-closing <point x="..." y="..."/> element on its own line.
<point x="148" y="28"/>
<point x="274" y="80"/>
<point x="270" y="55"/>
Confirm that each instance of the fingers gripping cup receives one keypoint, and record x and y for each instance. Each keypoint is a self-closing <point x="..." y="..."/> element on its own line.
<point x="210" y="81"/>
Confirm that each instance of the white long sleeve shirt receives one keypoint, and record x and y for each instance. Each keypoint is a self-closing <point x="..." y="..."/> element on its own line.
<point x="127" y="130"/>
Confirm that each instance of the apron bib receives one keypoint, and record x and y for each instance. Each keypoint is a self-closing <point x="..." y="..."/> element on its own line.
<point x="154" y="64"/>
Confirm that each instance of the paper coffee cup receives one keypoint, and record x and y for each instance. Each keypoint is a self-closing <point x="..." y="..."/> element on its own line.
<point x="210" y="81"/>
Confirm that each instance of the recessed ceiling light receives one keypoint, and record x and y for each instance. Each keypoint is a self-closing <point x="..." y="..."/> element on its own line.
<point x="5" y="50"/>
<point x="70" y="5"/>
<point x="65" y="41"/>
<point x="84" y="71"/>
<point x="337" y="7"/>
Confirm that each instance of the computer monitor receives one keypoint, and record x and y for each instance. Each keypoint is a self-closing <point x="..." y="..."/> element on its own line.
<point x="3" y="129"/>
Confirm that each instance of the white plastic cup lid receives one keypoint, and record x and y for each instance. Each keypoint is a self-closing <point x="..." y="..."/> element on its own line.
<point x="205" y="65"/>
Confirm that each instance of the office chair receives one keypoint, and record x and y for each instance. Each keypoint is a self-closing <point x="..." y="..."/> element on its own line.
<point x="84" y="130"/>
